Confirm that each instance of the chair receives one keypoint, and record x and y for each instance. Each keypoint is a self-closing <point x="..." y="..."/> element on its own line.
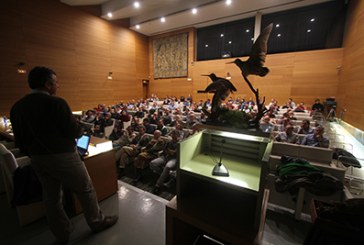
<point x="108" y="130"/>
<point x="8" y="164"/>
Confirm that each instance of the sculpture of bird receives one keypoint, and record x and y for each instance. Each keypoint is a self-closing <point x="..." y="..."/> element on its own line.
<point x="255" y="63"/>
<point x="218" y="83"/>
<point x="221" y="89"/>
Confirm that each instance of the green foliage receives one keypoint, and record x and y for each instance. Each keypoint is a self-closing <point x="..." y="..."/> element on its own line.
<point x="234" y="118"/>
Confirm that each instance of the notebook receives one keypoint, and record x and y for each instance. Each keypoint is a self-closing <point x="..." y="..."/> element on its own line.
<point x="82" y="145"/>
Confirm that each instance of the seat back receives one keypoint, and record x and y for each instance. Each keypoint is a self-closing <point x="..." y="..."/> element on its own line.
<point x="108" y="130"/>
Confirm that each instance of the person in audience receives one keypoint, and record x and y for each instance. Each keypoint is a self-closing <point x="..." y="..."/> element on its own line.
<point x="290" y="104"/>
<point x="130" y="151"/>
<point x="148" y="153"/>
<point x="166" y="162"/>
<point x="266" y="125"/>
<point x="317" y="107"/>
<point x="162" y="128"/>
<point x="291" y="115"/>
<point x="287" y="136"/>
<point x="126" y="138"/>
<point x="149" y="129"/>
<point x="117" y="131"/>
<point x="153" y="119"/>
<point x="317" y="139"/>
<point x="54" y="158"/>
<point x="108" y="121"/>
<point x="98" y="131"/>
<point x="89" y="117"/>
<point x="305" y="127"/>
<point x="135" y="123"/>
<point x="167" y="119"/>
<point x="300" y="108"/>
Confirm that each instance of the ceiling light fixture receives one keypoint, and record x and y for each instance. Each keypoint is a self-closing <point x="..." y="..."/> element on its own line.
<point x="309" y="30"/>
<point x="136" y="5"/>
<point x="194" y="11"/>
<point x="206" y="45"/>
<point x="247" y="30"/>
<point x="228" y="2"/>
<point x="221" y="35"/>
<point x="137" y="26"/>
<point x="163" y="19"/>
<point x="312" y="20"/>
<point x="278" y="35"/>
<point x="277" y="25"/>
<point x="109" y="14"/>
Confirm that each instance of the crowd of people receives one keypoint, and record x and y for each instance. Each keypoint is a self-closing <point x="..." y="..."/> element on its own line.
<point x="146" y="131"/>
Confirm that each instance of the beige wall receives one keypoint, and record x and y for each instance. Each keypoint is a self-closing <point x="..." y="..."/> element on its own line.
<point x="80" y="47"/>
<point x="351" y="85"/>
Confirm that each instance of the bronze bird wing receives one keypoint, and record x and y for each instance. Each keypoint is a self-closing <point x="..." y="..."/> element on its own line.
<point x="228" y="84"/>
<point x="259" y="49"/>
<point x="216" y="86"/>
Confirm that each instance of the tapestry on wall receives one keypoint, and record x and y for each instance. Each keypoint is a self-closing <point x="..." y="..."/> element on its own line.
<point x="170" y="56"/>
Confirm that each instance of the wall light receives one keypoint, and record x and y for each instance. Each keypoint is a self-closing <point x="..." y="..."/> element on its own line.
<point x="228" y="76"/>
<point x="189" y="78"/>
<point x="109" y="76"/>
<point x="21" y="69"/>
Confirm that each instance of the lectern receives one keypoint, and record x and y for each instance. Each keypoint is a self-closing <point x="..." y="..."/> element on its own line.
<point x="229" y="209"/>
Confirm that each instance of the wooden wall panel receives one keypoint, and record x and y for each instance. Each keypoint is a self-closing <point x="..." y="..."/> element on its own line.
<point x="80" y="47"/>
<point x="303" y="76"/>
<point x="351" y="85"/>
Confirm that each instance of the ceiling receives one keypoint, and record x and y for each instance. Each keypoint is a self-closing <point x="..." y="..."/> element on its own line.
<point x="178" y="13"/>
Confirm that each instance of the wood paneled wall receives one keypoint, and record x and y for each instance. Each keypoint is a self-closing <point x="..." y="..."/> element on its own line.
<point x="80" y="47"/>
<point x="351" y="85"/>
<point x="303" y="76"/>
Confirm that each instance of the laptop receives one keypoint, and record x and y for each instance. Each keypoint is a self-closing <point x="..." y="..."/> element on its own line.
<point x="82" y="145"/>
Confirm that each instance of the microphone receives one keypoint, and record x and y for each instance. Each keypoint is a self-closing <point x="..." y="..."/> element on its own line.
<point x="220" y="169"/>
<point x="223" y="141"/>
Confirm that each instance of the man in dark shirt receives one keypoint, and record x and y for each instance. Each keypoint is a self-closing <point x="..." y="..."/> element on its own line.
<point x="45" y="129"/>
<point x="318" y="107"/>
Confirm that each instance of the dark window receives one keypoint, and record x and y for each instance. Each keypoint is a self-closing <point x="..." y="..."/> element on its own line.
<point x="232" y="39"/>
<point x="314" y="27"/>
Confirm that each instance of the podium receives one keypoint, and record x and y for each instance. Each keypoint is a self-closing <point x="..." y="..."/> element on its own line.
<point x="228" y="209"/>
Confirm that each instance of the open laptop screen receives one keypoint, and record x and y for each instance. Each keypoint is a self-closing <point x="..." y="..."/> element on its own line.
<point x="82" y="144"/>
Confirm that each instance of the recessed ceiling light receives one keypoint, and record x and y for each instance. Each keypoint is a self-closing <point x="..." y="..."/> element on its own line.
<point x="163" y="19"/>
<point x="277" y="25"/>
<point x="206" y="45"/>
<point x="228" y="2"/>
<point x="278" y="35"/>
<point x="247" y="30"/>
<point x="136" y="5"/>
<point x="221" y="35"/>
<point x="137" y="26"/>
<point x="109" y="14"/>
<point x="194" y="11"/>
<point x="312" y="20"/>
<point x="309" y="30"/>
<point x="229" y="42"/>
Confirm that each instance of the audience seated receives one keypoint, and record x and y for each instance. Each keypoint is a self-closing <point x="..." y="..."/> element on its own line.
<point x="316" y="139"/>
<point x="265" y="125"/>
<point x="305" y="127"/>
<point x="165" y="163"/>
<point x="317" y="107"/>
<point x="161" y="127"/>
<point x="130" y="151"/>
<point x="287" y="136"/>
<point x="148" y="153"/>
